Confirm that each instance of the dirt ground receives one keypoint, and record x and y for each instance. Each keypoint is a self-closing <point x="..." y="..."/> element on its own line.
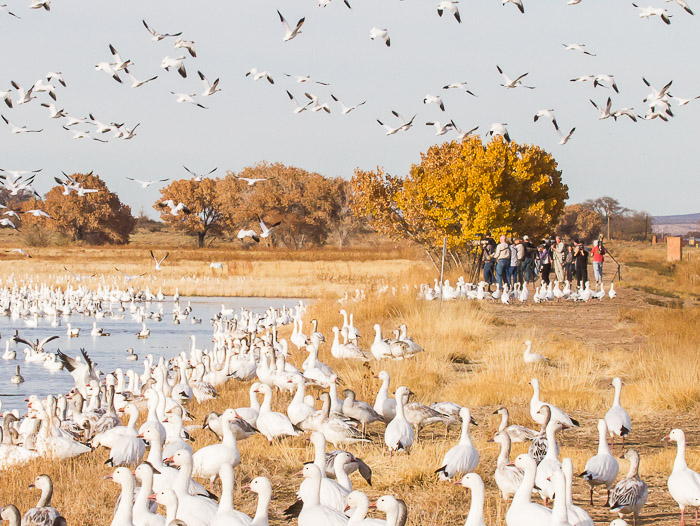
<point x="598" y="325"/>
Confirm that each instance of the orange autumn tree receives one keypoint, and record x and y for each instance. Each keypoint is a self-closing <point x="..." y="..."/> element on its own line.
<point x="201" y="198"/>
<point x="97" y="217"/>
<point x="462" y="190"/>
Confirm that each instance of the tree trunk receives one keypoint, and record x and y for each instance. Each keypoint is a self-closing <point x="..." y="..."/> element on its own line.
<point x="432" y="259"/>
<point x="200" y="239"/>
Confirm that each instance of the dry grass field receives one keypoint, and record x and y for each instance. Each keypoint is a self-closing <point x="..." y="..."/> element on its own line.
<point x="648" y="336"/>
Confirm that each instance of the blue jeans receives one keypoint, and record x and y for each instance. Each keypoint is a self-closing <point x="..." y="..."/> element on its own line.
<point x="502" y="271"/>
<point x="512" y="275"/>
<point x="488" y="272"/>
<point x="598" y="271"/>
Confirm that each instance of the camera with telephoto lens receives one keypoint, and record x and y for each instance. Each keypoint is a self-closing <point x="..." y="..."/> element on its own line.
<point x="600" y="241"/>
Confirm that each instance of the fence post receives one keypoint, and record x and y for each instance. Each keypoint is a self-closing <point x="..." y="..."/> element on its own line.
<point x="442" y="269"/>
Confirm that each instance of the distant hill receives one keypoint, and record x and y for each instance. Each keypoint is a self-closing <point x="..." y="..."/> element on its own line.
<point x="676" y="225"/>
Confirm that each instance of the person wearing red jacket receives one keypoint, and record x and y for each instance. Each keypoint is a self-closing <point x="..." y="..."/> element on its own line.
<point x="598" y="254"/>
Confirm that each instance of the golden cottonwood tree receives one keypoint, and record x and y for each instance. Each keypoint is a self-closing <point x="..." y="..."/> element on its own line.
<point x="98" y="217"/>
<point x="460" y="190"/>
<point x="201" y="198"/>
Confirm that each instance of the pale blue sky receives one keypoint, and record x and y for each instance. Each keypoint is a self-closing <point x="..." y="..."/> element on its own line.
<point x="648" y="165"/>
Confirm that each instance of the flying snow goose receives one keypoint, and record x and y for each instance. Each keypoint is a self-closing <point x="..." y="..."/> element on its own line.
<point x="376" y="33"/>
<point x="185" y="97"/>
<point x="601" y="470"/>
<point x="499" y="128"/>
<point x="119" y="64"/>
<point x="346" y="109"/>
<point x="434" y="99"/>
<point x="563" y="139"/>
<point x="513" y="83"/>
<point x="198" y="177"/>
<point x="547" y="114"/>
<point x="440" y="129"/>
<point x="461" y="134"/>
<point x="19" y="129"/>
<point x="24" y="96"/>
<point x="175" y="209"/>
<point x="107" y="68"/>
<point x="517" y="3"/>
<point x="54" y="113"/>
<point x="290" y="33"/>
<point x="451" y="6"/>
<point x="617" y="419"/>
<point x="146" y="184"/>
<point x="156" y="36"/>
<point x="646" y="12"/>
<point x="4" y="8"/>
<point x="257" y="75"/>
<point x="209" y="88"/>
<point x="607" y="78"/>
<point x="578" y="47"/>
<point x="40" y="87"/>
<point x="136" y="83"/>
<point x="186" y="44"/>
<point x="630" y="494"/>
<point x="683" y="483"/>
<point x="175" y="63"/>
<point x="399" y="435"/>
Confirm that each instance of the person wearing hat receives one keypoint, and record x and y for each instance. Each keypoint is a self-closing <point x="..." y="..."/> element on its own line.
<point x="598" y="254"/>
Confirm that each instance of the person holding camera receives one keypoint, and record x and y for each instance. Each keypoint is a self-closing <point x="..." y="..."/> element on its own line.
<point x="569" y="263"/>
<point x="598" y="254"/>
<point x="489" y="245"/>
<point x="528" y="264"/>
<point x="581" y="263"/>
<point x="545" y="263"/>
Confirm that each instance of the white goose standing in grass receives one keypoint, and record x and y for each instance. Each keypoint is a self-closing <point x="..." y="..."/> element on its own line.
<point x="313" y="513"/>
<point x="43" y="513"/>
<point x="577" y="516"/>
<point x="531" y="357"/>
<point x="517" y="433"/>
<point x="556" y="413"/>
<point x="617" y="419"/>
<point x="380" y="348"/>
<point x="683" y="483"/>
<point x="630" y="494"/>
<point x="142" y="512"/>
<point x="272" y="424"/>
<point x="601" y="470"/>
<point x="263" y="488"/>
<point x="560" y="513"/>
<point x="464" y="457"/>
<point x="226" y="515"/>
<point x="399" y="434"/>
<point x="522" y="511"/>
<point x="124" y="514"/>
<point x="207" y="461"/>
<point x="472" y="481"/>
<point x="550" y="463"/>
<point x="384" y="405"/>
<point x="508" y="477"/>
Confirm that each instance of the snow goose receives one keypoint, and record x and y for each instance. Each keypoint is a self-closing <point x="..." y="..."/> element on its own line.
<point x="472" y="481"/>
<point x="17" y="378"/>
<point x="602" y="468"/>
<point x="225" y="514"/>
<point x="8" y="354"/>
<point x="143" y="515"/>
<point x="399" y="434"/>
<point x="207" y="461"/>
<point x="43" y="514"/>
<point x="72" y="332"/>
<point x="383" y="34"/>
<point x="290" y="33"/>
<point x="298" y="410"/>
<point x="123" y="515"/>
<point x="359" y="502"/>
<point x="419" y="415"/>
<point x="522" y="511"/>
<point x="337" y="428"/>
<point x="508" y="477"/>
<point x="683" y="483"/>
<point x="361" y="411"/>
<point x="462" y="458"/>
<point x="168" y="499"/>
<point x="630" y="494"/>
<point x="617" y="419"/>
<point x="355" y="464"/>
<point x="531" y="357"/>
<point x="516" y="432"/>
<point x="195" y="510"/>
<point x="384" y="405"/>
<point x="10" y="514"/>
<point x="125" y="447"/>
<point x="263" y="488"/>
<point x="332" y="493"/>
<point x="272" y="424"/>
<point x="313" y="512"/>
<point x="550" y="463"/>
<point x="560" y="513"/>
<point x="577" y="515"/>
<point x="538" y="447"/>
<point x="250" y="413"/>
<point x="380" y="349"/>
<point x="450" y="410"/>
<point x="536" y="404"/>
<point x="395" y="509"/>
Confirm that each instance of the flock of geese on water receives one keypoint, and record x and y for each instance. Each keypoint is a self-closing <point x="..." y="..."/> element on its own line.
<point x="246" y="349"/>
<point x="519" y="292"/>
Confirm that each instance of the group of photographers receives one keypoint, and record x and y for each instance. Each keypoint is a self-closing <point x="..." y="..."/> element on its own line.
<point x="521" y="261"/>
